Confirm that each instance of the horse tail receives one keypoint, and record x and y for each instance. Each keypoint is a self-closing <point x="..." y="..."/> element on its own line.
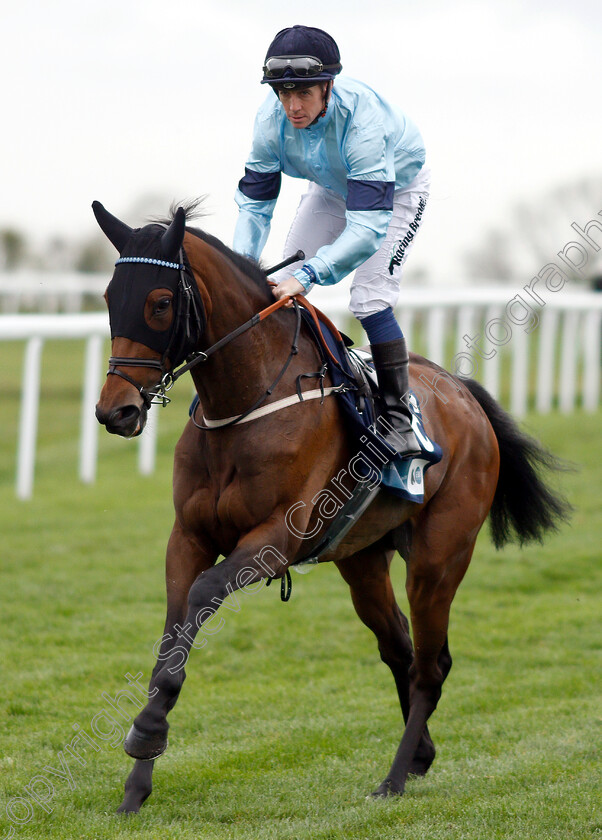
<point x="524" y="506"/>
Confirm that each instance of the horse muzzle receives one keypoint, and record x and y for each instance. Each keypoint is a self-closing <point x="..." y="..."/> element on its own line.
<point x="127" y="420"/>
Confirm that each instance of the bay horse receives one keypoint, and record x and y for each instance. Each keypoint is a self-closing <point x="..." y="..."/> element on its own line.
<point x="178" y="296"/>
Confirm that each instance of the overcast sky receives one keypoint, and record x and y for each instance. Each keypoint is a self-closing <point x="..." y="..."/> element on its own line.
<point x="119" y="100"/>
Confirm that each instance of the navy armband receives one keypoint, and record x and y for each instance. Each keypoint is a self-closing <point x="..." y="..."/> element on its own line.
<point x="370" y="195"/>
<point x="310" y="273"/>
<point x="260" y="186"/>
<point x="310" y="276"/>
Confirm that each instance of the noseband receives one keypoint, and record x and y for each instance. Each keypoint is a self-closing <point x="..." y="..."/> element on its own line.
<point x="152" y="396"/>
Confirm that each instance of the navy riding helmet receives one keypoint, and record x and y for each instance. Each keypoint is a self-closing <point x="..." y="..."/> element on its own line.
<point x="300" y="56"/>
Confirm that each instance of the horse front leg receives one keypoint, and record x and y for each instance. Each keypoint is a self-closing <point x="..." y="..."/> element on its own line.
<point x="186" y="558"/>
<point x="258" y="556"/>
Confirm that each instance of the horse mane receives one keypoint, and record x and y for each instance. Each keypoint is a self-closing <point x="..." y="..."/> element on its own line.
<point x="193" y="209"/>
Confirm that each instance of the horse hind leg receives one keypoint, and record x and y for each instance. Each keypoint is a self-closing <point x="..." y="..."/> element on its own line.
<point x="433" y="578"/>
<point x="367" y="574"/>
<point x="400" y="668"/>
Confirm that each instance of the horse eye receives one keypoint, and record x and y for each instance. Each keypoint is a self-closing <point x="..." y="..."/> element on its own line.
<point x="162" y="305"/>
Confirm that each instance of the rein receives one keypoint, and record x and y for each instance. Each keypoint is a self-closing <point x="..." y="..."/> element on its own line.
<point x="170" y="378"/>
<point x="231" y="421"/>
<point x="157" y="394"/>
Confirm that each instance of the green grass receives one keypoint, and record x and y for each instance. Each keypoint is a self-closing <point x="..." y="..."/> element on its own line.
<point x="287" y="719"/>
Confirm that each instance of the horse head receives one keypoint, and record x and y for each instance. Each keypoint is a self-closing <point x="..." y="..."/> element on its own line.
<point x="155" y="313"/>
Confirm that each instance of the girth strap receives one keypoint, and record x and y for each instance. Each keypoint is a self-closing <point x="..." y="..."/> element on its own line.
<point x="315" y="394"/>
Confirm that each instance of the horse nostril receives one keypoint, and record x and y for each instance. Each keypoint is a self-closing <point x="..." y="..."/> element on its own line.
<point x="125" y="416"/>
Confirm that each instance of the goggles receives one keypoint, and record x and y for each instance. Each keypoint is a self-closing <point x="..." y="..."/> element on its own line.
<point x="302" y="66"/>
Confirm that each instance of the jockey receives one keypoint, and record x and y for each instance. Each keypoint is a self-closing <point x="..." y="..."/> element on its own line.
<point x="365" y="162"/>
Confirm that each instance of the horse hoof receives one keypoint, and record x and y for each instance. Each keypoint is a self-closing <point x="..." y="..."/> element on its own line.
<point x="421" y="764"/>
<point x="387" y="788"/>
<point x="144" y="747"/>
<point x="127" y="808"/>
<point x="419" y="768"/>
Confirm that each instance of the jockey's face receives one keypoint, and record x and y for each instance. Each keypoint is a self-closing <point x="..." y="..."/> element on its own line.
<point x="302" y="106"/>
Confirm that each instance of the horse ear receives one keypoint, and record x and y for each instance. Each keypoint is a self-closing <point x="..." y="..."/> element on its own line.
<point x="172" y="239"/>
<point x="116" y="232"/>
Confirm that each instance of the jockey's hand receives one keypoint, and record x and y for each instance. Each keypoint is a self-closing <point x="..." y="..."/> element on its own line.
<point x="288" y="288"/>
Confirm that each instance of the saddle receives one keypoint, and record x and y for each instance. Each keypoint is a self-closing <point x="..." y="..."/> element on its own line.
<point x="335" y="348"/>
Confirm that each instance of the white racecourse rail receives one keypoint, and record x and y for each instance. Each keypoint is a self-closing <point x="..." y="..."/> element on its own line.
<point x="481" y="320"/>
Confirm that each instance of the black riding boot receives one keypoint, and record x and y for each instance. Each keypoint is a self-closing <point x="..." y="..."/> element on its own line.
<point x="391" y="363"/>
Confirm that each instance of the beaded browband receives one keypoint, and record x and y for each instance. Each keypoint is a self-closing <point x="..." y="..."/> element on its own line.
<point x="162" y="263"/>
